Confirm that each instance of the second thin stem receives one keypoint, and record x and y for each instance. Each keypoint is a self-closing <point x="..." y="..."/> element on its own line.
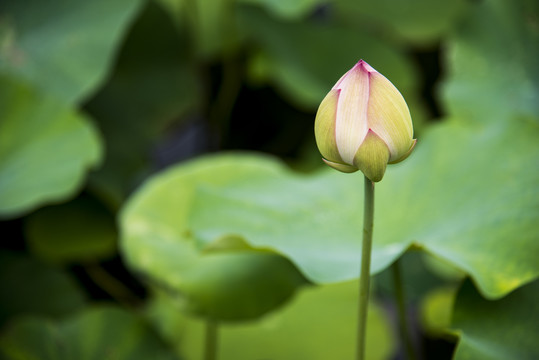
<point x="401" y="310"/>
<point x="364" y="277"/>
<point x="210" y="351"/>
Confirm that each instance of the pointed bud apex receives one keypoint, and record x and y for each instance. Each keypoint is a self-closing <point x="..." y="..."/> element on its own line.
<point x="364" y="124"/>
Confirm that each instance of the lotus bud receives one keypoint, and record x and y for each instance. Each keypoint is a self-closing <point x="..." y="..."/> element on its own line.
<point x="364" y="124"/>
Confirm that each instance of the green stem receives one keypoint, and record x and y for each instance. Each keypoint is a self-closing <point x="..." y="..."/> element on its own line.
<point x="364" y="277"/>
<point x="401" y="309"/>
<point x="221" y="109"/>
<point x="108" y="283"/>
<point x="211" y="340"/>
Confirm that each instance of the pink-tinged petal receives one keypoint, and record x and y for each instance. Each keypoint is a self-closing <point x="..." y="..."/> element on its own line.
<point x="366" y="66"/>
<point x="351" y="123"/>
<point x="364" y="123"/>
<point x="389" y="117"/>
<point x="341" y="167"/>
<point x="372" y="157"/>
<point x="324" y="127"/>
<point x="359" y="66"/>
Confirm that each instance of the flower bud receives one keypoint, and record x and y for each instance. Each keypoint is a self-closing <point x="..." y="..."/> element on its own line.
<point x="363" y="123"/>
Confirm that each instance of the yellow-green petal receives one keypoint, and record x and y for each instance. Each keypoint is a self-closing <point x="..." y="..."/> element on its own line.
<point x="372" y="157"/>
<point x="341" y="167"/>
<point x="389" y="116"/>
<point x="324" y="127"/>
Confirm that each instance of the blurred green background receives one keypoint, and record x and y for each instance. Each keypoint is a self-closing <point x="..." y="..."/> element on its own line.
<point x="158" y="172"/>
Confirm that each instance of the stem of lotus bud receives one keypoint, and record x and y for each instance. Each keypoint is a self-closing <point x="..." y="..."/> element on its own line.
<point x="364" y="277"/>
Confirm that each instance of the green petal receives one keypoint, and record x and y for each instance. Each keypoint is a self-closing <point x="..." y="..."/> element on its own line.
<point x="341" y="167"/>
<point x="324" y="127"/>
<point x="372" y="157"/>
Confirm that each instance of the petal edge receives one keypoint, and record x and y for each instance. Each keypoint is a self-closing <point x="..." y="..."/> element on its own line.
<point x="348" y="169"/>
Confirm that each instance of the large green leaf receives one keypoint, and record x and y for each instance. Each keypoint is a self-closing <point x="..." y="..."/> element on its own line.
<point x="320" y="323"/>
<point x="225" y="278"/>
<point x="45" y="148"/>
<point x="467" y="195"/>
<point x="493" y="73"/>
<point x="30" y="287"/>
<point x="497" y="330"/>
<point x="81" y="230"/>
<point x="62" y="47"/>
<point x="153" y="83"/>
<point x="104" y="333"/>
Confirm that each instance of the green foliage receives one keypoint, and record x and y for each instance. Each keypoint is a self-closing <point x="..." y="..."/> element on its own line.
<point x="495" y="78"/>
<point x="418" y="21"/>
<point x="98" y="333"/>
<point x="287" y="58"/>
<point x="224" y="278"/>
<point x="58" y="48"/>
<point x="152" y="84"/>
<point x="31" y="287"/>
<point x="496" y="330"/>
<point x="51" y="58"/>
<point x="472" y="206"/>
<point x="286" y="9"/>
<point x="40" y="138"/>
<point x="96" y="97"/>
<point x="469" y="217"/>
<point x="88" y="232"/>
<point x="436" y="310"/>
<point x="319" y="323"/>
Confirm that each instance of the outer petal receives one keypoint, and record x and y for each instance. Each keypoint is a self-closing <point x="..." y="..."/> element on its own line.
<point x="389" y="117"/>
<point x="351" y="124"/>
<point x="324" y="127"/>
<point x="341" y="167"/>
<point x="372" y="157"/>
